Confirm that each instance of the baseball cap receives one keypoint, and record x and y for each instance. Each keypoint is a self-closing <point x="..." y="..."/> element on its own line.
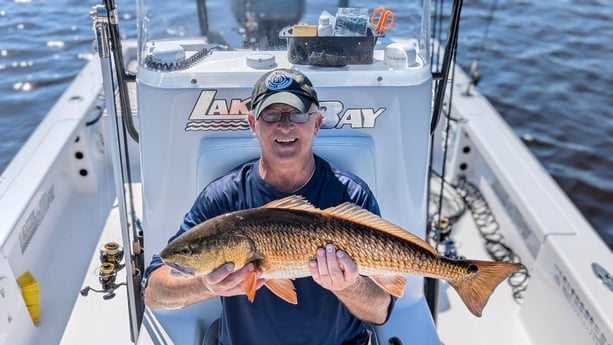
<point x="285" y="86"/>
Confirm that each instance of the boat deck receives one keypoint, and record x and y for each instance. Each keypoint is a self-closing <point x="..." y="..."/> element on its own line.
<point x="111" y="315"/>
<point x="500" y="322"/>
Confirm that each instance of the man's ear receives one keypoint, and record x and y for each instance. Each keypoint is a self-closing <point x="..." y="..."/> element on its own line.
<point x="318" y="121"/>
<point x="251" y="120"/>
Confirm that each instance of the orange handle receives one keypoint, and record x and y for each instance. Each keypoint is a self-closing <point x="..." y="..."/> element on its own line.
<point x="382" y="19"/>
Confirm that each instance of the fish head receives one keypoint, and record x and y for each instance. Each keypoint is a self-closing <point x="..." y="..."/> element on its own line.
<point x="204" y="253"/>
<point x="193" y="257"/>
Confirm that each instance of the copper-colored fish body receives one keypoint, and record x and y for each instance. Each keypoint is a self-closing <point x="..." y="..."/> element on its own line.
<point x="283" y="236"/>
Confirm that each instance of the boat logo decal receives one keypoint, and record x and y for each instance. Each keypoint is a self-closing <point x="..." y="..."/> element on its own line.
<point x="588" y="318"/>
<point x="521" y="224"/>
<point x="35" y="218"/>
<point x="220" y="114"/>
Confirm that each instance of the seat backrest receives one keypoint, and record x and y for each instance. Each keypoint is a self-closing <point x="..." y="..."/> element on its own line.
<point x="218" y="155"/>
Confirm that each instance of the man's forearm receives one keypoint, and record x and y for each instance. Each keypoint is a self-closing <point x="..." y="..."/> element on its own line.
<point x="366" y="301"/>
<point x="165" y="291"/>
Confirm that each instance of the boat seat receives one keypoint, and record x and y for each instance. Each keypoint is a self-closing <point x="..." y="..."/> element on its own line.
<point x="220" y="155"/>
<point x="211" y="337"/>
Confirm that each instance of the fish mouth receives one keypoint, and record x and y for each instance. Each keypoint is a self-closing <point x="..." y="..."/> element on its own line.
<point x="182" y="269"/>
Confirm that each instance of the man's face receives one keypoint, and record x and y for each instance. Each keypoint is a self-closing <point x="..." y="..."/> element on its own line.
<point x="285" y="141"/>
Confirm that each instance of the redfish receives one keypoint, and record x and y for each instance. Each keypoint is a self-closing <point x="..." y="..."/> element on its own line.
<point x="283" y="236"/>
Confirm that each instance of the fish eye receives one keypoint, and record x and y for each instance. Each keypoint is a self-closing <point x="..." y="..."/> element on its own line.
<point x="185" y="251"/>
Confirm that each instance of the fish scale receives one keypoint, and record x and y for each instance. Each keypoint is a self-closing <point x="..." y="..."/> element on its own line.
<point x="299" y="233"/>
<point x="371" y="250"/>
<point x="280" y="238"/>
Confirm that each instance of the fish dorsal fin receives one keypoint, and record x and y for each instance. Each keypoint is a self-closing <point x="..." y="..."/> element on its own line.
<point x="355" y="213"/>
<point x="294" y="202"/>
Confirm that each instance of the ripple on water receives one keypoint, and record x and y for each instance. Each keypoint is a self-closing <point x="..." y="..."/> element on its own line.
<point x="55" y="44"/>
<point x="22" y="86"/>
<point x="544" y="65"/>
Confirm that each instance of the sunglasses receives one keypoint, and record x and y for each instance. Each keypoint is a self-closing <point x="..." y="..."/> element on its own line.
<point x="272" y="116"/>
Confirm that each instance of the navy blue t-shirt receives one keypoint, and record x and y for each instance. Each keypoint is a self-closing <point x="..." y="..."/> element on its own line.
<point x="319" y="317"/>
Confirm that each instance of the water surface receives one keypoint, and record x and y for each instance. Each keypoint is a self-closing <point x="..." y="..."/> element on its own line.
<point x="544" y="66"/>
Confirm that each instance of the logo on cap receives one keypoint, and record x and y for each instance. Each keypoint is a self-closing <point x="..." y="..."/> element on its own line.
<point x="278" y="81"/>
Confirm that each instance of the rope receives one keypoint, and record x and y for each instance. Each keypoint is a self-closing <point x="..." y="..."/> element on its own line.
<point x="178" y="65"/>
<point x="443" y="216"/>
<point x="489" y="229"/>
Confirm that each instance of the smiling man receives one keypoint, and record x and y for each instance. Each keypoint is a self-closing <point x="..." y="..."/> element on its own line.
<point x="285" y="120"/>
<point x="336" y="304"/>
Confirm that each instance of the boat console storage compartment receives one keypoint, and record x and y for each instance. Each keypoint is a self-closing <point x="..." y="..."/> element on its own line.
<point x="330" y="51"/>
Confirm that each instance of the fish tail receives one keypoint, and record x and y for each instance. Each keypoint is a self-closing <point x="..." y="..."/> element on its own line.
<point x="480" y="280"/>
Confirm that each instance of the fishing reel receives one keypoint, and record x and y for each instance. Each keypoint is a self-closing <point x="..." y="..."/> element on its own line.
<point x="111" y="255"/>
<point x="106" y="276"/>
<point x="441" y="231"/>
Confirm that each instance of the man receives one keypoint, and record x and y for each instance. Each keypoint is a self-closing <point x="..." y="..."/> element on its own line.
<point x="336" y="303"/>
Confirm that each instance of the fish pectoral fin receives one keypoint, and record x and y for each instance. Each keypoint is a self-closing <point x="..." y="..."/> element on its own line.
<point x="249" y="285"/>
<point x="392" y="284"/>
<point x="284" y="288"/>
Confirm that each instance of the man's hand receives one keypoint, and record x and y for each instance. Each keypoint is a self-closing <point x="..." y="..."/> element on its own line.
<point x="336" y="271"/>
<point x="166" y="290"/>
<point x="224" y="282"/>
<point x="333" y="269"/>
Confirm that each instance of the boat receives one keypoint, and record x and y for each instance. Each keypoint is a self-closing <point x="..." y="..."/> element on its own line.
<point x="106" y="178"/>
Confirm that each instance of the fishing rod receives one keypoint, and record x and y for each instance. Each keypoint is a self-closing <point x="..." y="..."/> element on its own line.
<point x="448" y="60"/>
<point x="124" y="99"/>
<point x="105" y="26"/>
<point x="431" y="286"/>
<point x="475" y="74"/>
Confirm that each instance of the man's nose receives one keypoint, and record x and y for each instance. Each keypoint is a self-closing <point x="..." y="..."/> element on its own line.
<point x="285" y="121"/>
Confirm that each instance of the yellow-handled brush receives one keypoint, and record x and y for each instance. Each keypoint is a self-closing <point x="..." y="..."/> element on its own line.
<point x="31" y="295"/>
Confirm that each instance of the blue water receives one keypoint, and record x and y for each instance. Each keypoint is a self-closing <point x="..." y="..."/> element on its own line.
<point x="544" y="66"/>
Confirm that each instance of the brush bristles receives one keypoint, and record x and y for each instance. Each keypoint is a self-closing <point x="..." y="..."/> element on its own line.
<point x="31" y="295"/>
